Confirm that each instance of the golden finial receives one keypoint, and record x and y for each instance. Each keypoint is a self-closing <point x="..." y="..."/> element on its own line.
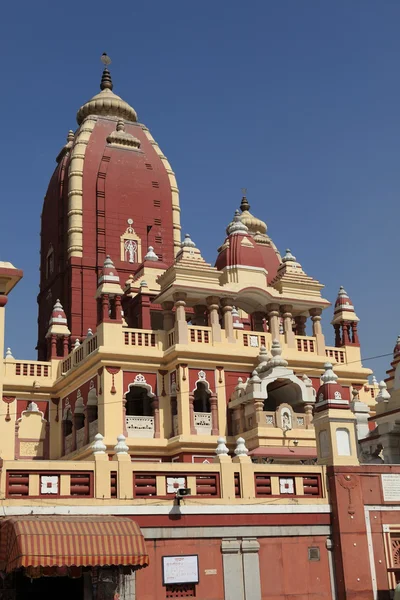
<point x="106" y="82"/>
<point x="244" y="205"/>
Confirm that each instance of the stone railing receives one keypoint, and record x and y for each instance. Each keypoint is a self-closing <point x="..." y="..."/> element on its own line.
<point x="78" y="355"/>
<point x="80" y="438"/>
<point x="138" y="426"/>
<point x="27" y="368"/>
<point x="93" y="429"/>
<point x="175" y="424"/>
<point x="306" y="344"/>
<point x="68" y="444"/>
<point x="203" y="423"/>
<point x="336" y="355"/>
<point x="199" y="335"/>
<point x="140" y="337"/>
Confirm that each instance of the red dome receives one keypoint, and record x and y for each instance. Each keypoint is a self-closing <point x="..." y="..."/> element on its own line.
<point x="330" y="393"/>
<point x="125" y="186"/>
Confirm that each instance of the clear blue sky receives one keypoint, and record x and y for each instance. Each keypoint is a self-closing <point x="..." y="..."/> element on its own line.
<point x="296" y="100"/>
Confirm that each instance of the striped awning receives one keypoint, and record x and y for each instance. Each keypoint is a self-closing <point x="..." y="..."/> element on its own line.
<point x="49" y="541"/>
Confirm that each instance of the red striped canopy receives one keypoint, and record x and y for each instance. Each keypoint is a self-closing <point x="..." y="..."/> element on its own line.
<point x="46" y="541"/>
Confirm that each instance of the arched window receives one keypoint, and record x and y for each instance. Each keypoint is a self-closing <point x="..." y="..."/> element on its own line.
<point x="138" y="402"/>
<point x="201" y="398"/>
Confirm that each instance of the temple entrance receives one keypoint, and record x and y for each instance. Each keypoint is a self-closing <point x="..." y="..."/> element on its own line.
<point x="63" y="588"/>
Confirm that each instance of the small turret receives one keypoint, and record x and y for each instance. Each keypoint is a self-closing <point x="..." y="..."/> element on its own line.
<point x="345" y="321"/>
<point x="109" y="294"/>
<point x="57" y="333"/>
<point x="335" y="423"/>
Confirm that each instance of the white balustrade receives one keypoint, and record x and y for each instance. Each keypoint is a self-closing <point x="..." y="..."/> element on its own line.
<point x="138" y="426"/>
<point x="202" y="423"/>
<point x="68" y="443"/>
<point x="175" y="424"/>
<point x="93" y="429"/>
<point x="80" y="438"/>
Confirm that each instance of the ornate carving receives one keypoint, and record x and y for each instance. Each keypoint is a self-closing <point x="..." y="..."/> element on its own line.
<point x="113" y="371"/>
<point x="31" y="449"/>
<point x="220" y="369"/>
<point x="163" y="373"/>
<point x="8" y="400"/>
<point x="100" y="373"/>
<point x="140" y="378"/>
<point x="348" y="483"/>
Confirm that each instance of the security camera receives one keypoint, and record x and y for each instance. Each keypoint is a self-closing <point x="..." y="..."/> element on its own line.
<point x="181" y="493"/>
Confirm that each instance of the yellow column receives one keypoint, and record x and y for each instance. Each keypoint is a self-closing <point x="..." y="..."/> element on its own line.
<point x="315" y="314"/>
<point x="213" y="306"/>
<point x="287" y="325"/>
<point x="181" y="326"/>
<point x="273" y="320"/>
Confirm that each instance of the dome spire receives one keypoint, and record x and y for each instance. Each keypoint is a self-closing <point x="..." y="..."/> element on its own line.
<point x="244" y="205"/>
<point x="106" y="103"/>
<point x="106" y="81"/>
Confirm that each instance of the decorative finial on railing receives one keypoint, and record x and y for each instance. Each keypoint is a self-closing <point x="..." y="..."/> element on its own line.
<point x="98" y="447"/>
<point x="89" y="333"/>
<point x="121" y="447"/>
<point x="9" y="355"/>
<point x="77" y="344"/>
<point x="383" y="395"/>
<point x="241" y="449"/>
<point x="221" y="449"/>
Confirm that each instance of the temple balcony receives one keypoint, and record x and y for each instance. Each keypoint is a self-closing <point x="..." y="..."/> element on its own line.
<point x="127" y="482"/>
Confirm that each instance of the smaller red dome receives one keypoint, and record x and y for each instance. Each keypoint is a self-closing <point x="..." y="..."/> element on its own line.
<point x="330" y="393"/>
<point x="343" y="302"/>
<point x="239" y="248"/>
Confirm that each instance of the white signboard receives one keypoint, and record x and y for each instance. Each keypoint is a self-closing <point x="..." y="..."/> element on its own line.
<point x="391" y="487"/>
<point x="180" y="569"/>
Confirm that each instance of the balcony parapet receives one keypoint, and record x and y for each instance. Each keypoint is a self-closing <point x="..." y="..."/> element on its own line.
<point x="127" y="482"/>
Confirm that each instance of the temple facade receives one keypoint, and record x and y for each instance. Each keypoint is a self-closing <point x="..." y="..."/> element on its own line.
<point x="190" y="418"/>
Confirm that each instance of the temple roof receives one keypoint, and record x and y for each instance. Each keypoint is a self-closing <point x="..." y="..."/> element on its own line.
<point x="106" y="103"/>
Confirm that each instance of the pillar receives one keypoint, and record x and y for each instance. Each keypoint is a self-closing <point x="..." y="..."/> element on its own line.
<point x="191" y="415"/>
<point x="155" y="405"/>
<point x="65" y="346"/>
<point x="214" y="414"/>
<point x="53" y="347"/>
<point x="251" y="569"/>
<point x="287" y="325"/>
<point x="315" y="314"/>
<point x="213" y="315"/>
<point x="227" y="305"/>
<point x="105" y="305"/>
<point x="308" y="409"/>
<point x="144" y="312"/>
<point x="233" y="569"/>
<point x="174" y="412"/>
<point x="181" y="326"/>
<point x="354" y="336"/>
<point x="346" y="333"/>
<point x="118" y="308"/>
<point x="273" y="320"/>
<point x="259" y="409"/>
<point x="168" y="316"/>
<point x="301" y="325"/>
<point x="338" y="337"/>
